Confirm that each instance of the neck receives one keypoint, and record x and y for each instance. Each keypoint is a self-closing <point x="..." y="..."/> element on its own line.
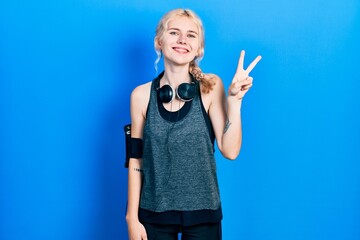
<point x="176" y="75"/>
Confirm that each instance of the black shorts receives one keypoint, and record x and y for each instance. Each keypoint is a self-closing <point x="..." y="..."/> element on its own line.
<point x="205" y="231"/>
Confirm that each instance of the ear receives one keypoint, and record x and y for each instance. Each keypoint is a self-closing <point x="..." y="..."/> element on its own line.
<point x="200" y="53"/>
<point x="157" y="44"/>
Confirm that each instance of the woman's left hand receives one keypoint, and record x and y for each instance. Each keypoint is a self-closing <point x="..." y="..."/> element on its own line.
<point x="242" y="82"/>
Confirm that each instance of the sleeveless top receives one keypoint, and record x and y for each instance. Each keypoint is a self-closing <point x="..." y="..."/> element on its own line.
<point x="178" y="160"/>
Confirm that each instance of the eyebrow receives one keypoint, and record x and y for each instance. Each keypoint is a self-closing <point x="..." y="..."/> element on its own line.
<point x="191" y="31"/>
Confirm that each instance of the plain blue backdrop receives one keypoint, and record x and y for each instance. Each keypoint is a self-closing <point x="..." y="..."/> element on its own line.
<point x="67" y="69"/>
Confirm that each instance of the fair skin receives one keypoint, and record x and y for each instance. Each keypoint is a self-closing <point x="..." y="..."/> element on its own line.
<point x="180" y="45"/>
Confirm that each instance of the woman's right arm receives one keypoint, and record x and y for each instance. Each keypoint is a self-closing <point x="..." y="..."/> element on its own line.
<point x="138" y="105"/>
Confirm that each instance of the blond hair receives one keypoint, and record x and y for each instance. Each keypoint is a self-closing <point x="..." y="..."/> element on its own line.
<point x="207" y="80"/>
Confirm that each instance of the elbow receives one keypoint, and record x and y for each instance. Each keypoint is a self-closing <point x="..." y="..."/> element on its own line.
<point x="230" y="150"/>
<point x="231" y="155"/>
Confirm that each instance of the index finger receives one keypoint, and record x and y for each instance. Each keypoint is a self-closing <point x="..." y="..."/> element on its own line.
<point x="253" y="64"/>
<point x="241" y="61"/>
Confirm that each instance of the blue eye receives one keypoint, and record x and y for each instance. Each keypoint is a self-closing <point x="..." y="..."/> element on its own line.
<point x="173" y="33"/>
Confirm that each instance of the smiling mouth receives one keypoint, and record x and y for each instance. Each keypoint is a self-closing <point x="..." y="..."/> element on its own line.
<point x="180" y="50"/>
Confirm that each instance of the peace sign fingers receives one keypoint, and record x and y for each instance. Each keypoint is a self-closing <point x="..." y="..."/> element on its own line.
<point x="240" y="69"/>
<point x="241" y="82"/>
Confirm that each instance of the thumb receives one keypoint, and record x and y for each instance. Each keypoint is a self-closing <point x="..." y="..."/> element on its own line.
<point x="234" y="88"/>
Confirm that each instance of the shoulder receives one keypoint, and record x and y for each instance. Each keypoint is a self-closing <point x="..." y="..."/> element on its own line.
<point x="140" y="97"/>
<point x="215" y="93"/>
<point x="141" y="91"/>
<point x="215" y="82"/>
<point x="213" y="76"/>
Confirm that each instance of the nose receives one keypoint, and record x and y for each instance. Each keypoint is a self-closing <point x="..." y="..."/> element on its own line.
<point x="182" y="39"/>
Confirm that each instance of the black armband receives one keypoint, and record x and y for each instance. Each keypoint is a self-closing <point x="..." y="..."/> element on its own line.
<point x="134" y="146"/>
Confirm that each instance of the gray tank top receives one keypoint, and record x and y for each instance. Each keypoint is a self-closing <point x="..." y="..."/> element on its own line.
<point x="178" y="161"/>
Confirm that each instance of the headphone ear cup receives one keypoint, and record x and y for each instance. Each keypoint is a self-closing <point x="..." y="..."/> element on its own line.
<point x="186" y="91"/>
<point x="165" y="93"/>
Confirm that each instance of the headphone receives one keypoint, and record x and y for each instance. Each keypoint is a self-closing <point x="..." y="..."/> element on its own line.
<point x="185" y="92"/>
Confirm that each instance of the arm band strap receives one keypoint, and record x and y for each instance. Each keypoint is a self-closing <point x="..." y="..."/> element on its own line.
<point x="134" y="146"/>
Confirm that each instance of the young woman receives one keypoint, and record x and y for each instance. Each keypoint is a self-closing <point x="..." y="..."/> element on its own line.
<point x="172" y="182"/>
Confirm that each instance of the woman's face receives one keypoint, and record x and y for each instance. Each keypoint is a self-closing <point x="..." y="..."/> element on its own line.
<point x="180" y="43"/>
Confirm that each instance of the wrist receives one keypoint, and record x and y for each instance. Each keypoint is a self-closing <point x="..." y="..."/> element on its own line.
<point x="234" y="102"/>
<point x="131" y="218"/>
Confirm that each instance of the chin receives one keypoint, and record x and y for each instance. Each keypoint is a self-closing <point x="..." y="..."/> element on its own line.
<point x="183" y="60"/>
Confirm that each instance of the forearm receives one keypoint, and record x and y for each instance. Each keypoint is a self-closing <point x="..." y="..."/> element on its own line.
<point x="232" y="134"/>
<point x="134" y="188"/>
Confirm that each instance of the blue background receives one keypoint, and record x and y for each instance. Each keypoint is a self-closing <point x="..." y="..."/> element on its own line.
<point x="66" y="72"/>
